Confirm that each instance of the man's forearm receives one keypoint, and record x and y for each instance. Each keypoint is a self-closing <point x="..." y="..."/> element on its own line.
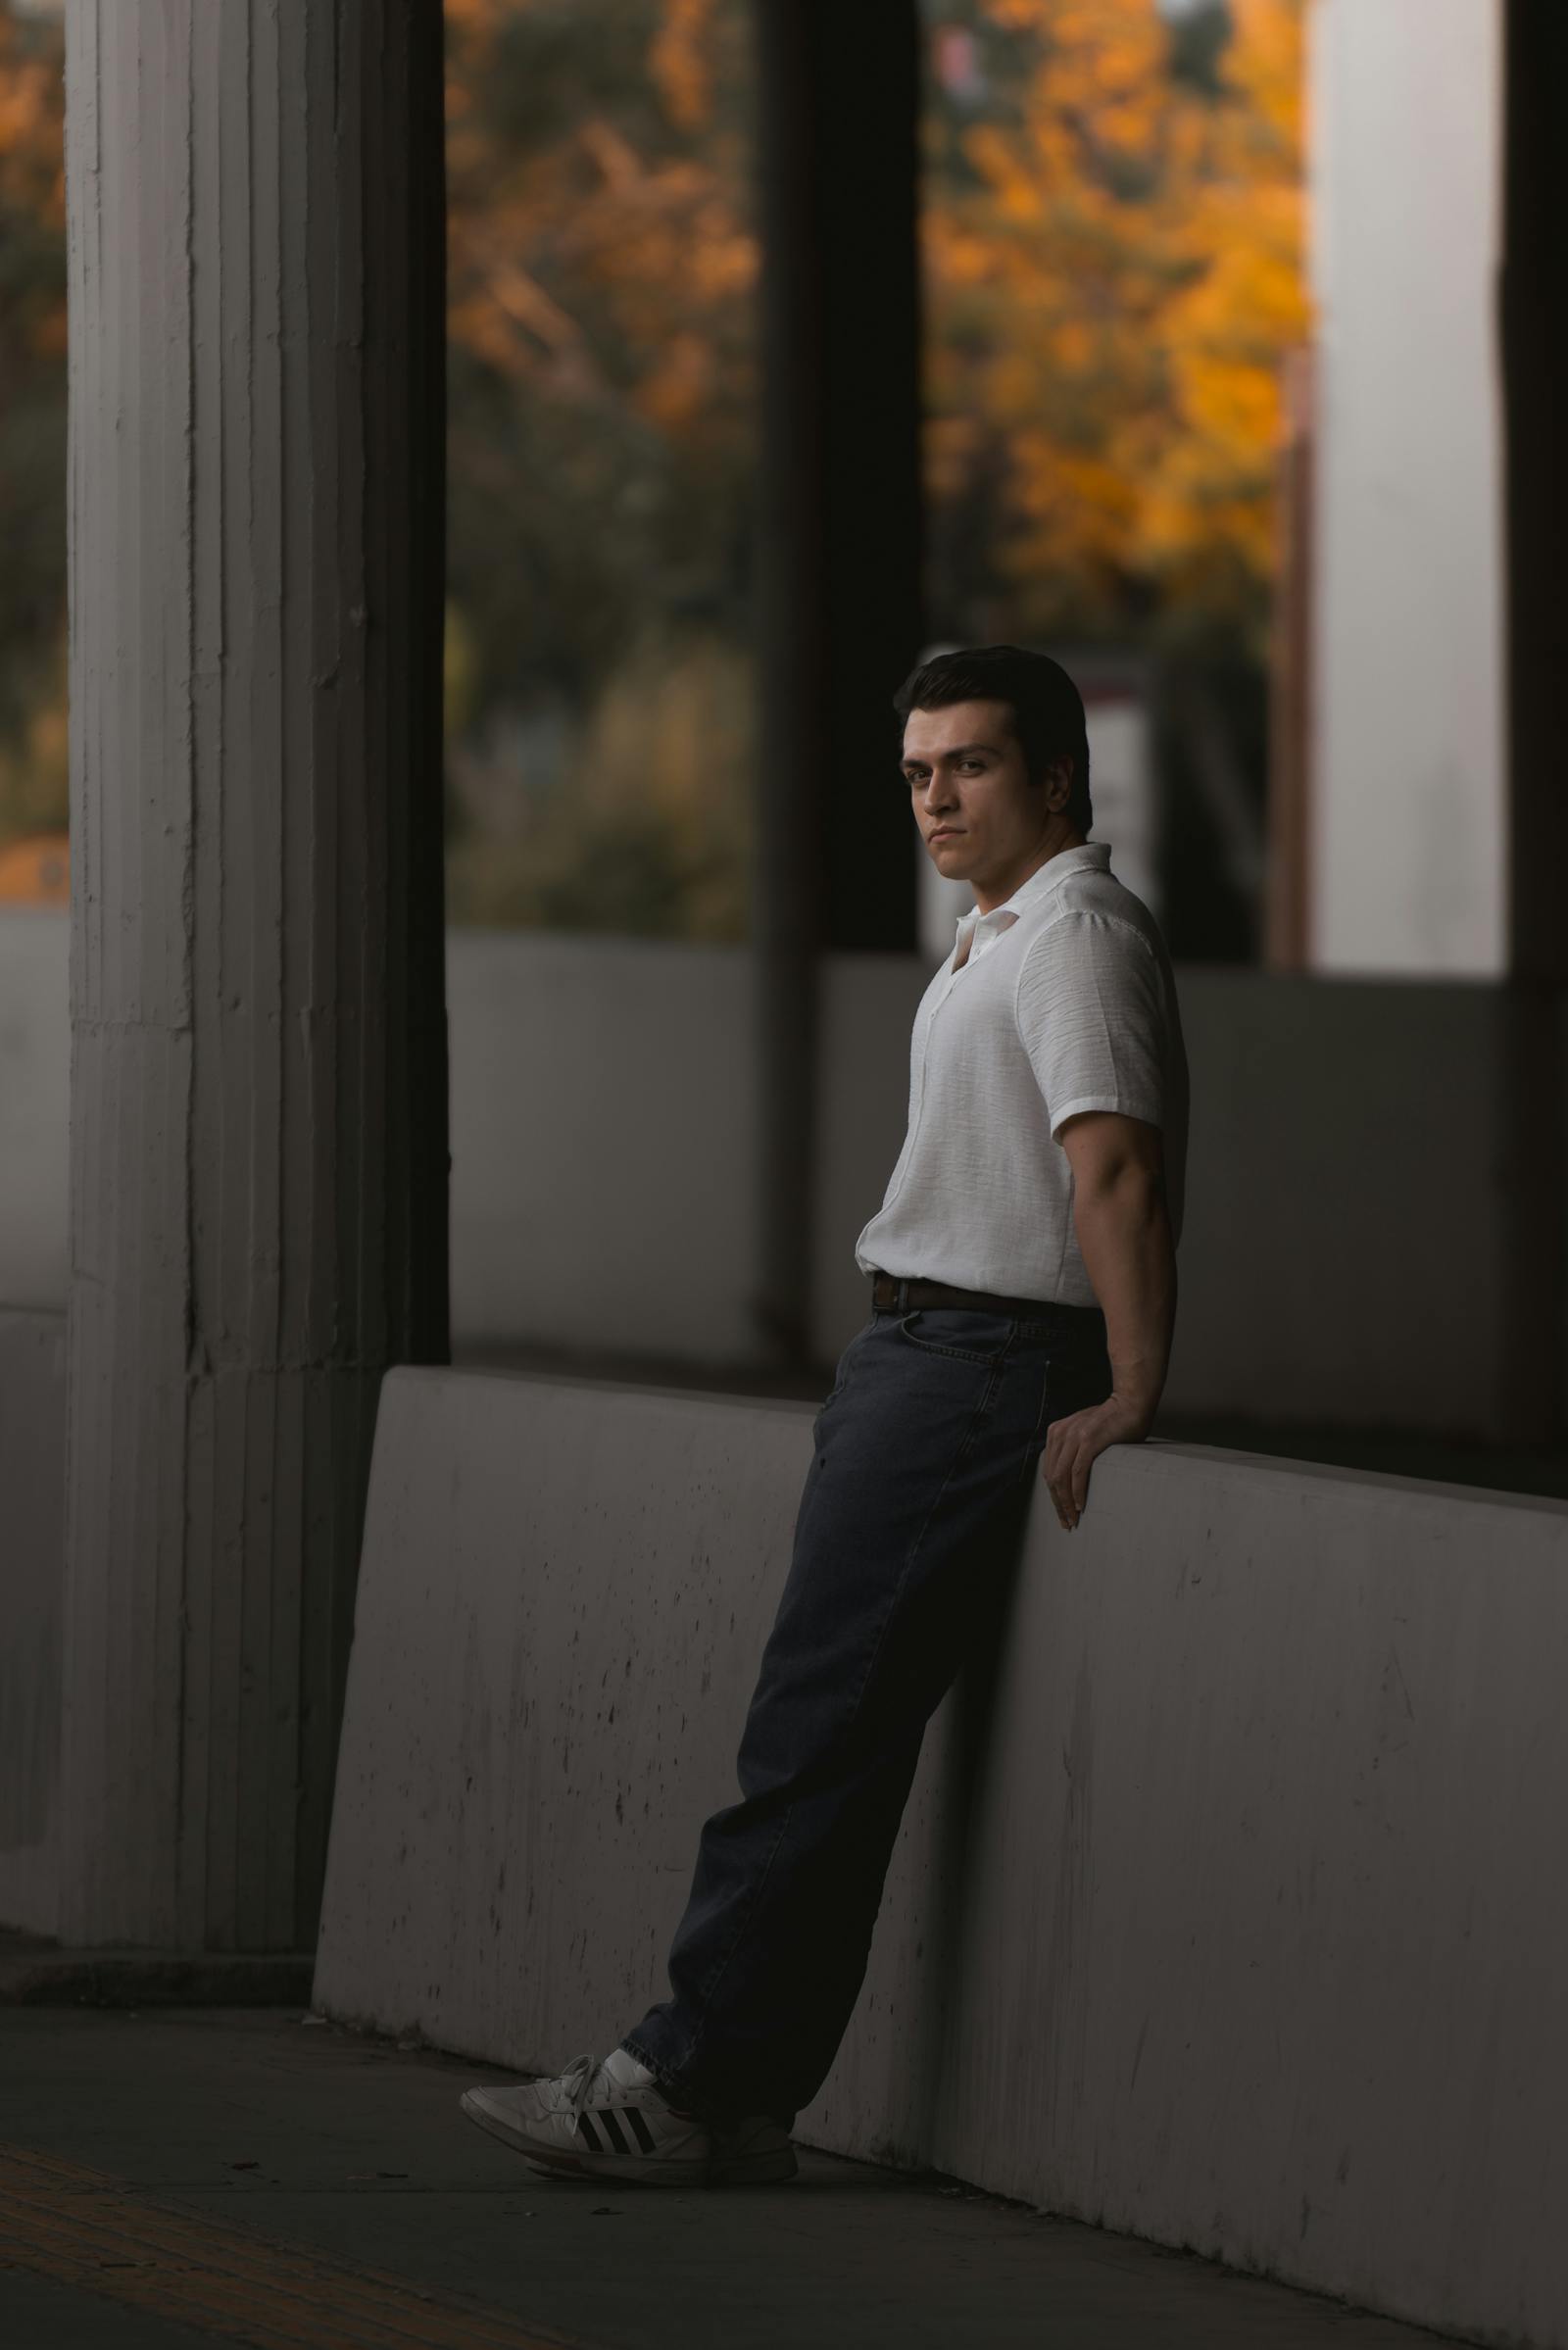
<point x="1123" y="1229"/>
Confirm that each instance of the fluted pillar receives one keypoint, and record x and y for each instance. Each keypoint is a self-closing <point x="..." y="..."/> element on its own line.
<point x="258" y="1146"/>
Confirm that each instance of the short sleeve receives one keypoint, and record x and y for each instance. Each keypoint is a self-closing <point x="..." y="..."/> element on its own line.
<point x="1090" y="1014"/>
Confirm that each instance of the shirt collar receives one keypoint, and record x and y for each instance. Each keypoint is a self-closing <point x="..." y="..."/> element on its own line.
<point x="1094" y="855"/>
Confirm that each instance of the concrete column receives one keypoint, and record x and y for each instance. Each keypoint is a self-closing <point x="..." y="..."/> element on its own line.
<point x="258" y="1150"/>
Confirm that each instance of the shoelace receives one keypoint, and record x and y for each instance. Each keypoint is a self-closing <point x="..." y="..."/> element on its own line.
<point x="578" y="2080"/>
<point x="577" y="2085"/>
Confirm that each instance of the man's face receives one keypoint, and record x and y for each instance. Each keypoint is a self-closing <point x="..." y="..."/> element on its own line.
<point x="965" y="772"/>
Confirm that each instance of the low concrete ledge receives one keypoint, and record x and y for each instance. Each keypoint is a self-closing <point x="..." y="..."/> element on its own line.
<point x="1228" y="1908"/>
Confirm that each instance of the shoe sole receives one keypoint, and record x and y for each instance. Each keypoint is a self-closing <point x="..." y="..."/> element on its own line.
<point x="556" y="2163"/>
<point x="550" y="2162"/>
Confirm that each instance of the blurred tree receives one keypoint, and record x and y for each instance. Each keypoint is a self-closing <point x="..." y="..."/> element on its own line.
<point x="601" y="451"/>
<point x="1113" y="256"/>
<point x="34" y="763"/>
<point x="1113" y="228"/>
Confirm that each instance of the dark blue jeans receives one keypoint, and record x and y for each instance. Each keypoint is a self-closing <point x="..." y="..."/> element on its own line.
<point x="922" y="1473"/>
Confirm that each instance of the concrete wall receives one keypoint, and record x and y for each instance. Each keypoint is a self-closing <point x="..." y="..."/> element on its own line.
<point x="34" y="1104"/>
<point x="1346" y="1193"/>
<point x="1409" y="839"/>
<point x="1347" y="1190"/>
<point x="32" y="1503"/>
<point x="603" y="1097"/>
<point x="1223" y="1911"/>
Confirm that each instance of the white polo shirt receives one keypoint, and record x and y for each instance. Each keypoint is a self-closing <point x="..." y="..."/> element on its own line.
<point x="1061" y="1000"/>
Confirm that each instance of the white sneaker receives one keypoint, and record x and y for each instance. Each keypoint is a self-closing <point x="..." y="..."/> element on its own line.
<point x="612" y="2119"/>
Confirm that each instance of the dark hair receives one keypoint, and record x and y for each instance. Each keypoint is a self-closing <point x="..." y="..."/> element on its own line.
<point x="1047" y="709"/>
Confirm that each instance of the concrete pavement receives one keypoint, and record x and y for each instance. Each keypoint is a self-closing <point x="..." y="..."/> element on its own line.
<point x="174" y="2177"/>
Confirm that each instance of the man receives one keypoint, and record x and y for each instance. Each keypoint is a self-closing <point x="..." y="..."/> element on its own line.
<point x="1023" y="1298"/>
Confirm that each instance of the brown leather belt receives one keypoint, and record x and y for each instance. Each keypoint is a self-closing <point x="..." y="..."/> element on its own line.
<point x="891" y="1293"/>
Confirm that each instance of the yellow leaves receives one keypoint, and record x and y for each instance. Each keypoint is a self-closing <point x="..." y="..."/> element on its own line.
<point x="49" y="335"/>
<point x="35" y="762"/>
<point x="675" y="391"/>
<point x="1264" y="64"/>
<point x="593" y="256"/>
<point x="32" y="132"/>
<point x="1113" y="276"/>
<point x="678" y="62"/>
<point x="1122" y="128"/>
<point x="22" y="107"/>
<point x="1125" y="281"/>
<point x="1235" y="407"/>
<point x="472" y="28"/>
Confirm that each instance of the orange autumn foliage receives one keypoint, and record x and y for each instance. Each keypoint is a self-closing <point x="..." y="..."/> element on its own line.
<point x="1113" y="271"/>
<point x="1112" y="277"/>
<point x="34" y="756"/>
<point x="607" y="267"/>
<point x="1112" y="296"/>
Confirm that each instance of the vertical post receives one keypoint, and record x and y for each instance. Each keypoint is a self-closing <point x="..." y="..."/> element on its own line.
<point x="258" y="1150"/>
<point x="1287" y="927"/>
<point x="1533" y="324"/>
<point x="840" y="607"/>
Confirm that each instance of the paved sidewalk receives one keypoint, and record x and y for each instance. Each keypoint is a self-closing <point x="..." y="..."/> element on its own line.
<point x="175" y="2177"/>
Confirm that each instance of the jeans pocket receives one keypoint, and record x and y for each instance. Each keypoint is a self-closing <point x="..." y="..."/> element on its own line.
<point x="846" y="1364"/>
<point x="967" y="1335"/>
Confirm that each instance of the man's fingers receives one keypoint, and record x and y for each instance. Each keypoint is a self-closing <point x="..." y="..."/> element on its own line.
<point x="1061" y="1472"/>
<point x="1052" y="1483"/>
<point x="1068" y="1455"/>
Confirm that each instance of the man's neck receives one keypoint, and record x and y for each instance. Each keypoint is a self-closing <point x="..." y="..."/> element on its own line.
<point x="997" y="893"/>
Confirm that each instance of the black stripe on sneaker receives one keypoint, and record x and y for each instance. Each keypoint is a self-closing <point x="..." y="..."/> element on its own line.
<point x="644" y="2136"/>
<point x="586" y="2132"/>
<point x="610" y="2123"/>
